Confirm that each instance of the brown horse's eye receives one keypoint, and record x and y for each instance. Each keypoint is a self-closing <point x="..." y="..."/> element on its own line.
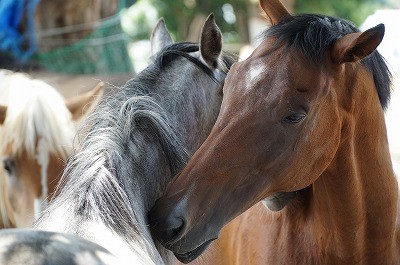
<point x="294" y="118"/>
<point x="9" y="165"/>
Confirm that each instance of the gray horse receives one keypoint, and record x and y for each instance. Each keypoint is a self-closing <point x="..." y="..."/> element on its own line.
<point x="137" y="139"/>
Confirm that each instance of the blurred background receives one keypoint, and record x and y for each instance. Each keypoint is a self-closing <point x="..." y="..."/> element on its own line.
<point x="90" y="36"/>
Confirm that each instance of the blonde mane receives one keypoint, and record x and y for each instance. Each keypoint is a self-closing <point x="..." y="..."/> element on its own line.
<point x="35" y="111"/>
<point x="37" y="122"/>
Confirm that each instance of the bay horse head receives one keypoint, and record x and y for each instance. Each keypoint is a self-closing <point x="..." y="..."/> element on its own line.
<point x="286" y="112"/>
<point x="37" y="130"/>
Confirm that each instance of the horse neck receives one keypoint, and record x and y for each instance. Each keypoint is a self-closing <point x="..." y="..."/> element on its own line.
<point x="152" y="181"/>
<point x="355" y="199"/>
<point x="151" y="178"/>
<point x="192" y="108"/>
<point x="156" y="153"/>
<point x="191" y="127"/>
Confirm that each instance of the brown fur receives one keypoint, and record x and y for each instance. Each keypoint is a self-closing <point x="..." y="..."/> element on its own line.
<point x="336" y="159"/>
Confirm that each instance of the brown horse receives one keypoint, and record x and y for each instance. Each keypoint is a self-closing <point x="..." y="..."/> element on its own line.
<point x="301" y="128"/>
<point x="37" y="128"/>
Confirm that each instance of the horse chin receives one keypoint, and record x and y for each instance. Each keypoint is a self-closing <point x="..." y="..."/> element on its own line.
<point x="191" y="255"/>
<point x="279" y="200"/>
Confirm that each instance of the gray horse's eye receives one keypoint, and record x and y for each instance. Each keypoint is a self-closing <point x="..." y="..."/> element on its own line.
<point x="9" y="165"/>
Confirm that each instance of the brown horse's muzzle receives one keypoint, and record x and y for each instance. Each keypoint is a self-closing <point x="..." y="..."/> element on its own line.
<point x="168" y="224"/>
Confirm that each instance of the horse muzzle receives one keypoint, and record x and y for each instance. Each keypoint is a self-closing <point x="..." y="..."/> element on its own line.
<point x="171" y="227"/>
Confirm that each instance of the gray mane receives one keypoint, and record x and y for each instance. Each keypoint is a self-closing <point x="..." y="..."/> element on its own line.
<point x="127" y="128"/>
<point x="116" y="129"/>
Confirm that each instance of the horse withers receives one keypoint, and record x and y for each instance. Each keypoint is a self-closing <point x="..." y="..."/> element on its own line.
<point x="37" y="127"/>
<point x="301" y="128"/>
<point x="136" y="140"/>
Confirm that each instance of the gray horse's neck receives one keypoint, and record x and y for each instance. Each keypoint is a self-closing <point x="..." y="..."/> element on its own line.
<point x="153" y="174"/>
<point x="191" y="111"/>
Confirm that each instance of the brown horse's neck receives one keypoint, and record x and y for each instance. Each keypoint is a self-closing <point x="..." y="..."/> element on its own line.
<point x="354" y="201"/>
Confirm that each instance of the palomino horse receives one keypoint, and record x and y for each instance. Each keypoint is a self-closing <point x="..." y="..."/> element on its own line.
<point x="137" y="139"/>
<point x="302" y="129"/>
<point x="36" y="135"/>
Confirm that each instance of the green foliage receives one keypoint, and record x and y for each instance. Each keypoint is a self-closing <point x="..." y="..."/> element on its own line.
<point x="179" y="14"/>
<point x="139" y="19"/>
<point x="353" y="10"/>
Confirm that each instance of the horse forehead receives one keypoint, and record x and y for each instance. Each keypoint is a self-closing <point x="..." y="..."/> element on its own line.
<point x="283" y="69"/>
<point x="259" y="74"/>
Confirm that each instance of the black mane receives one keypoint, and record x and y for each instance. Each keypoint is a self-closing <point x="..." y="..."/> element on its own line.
<point x="313" y="34"/>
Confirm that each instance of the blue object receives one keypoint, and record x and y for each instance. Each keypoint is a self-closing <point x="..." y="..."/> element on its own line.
<point x="11" y="39"/>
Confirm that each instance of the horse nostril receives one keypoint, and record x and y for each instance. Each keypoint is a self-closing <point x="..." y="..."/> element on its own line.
<point x="166" y="225"/>
<point x="170" y="228"/>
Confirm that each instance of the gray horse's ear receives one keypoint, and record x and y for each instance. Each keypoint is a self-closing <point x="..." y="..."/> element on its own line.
<point x="210" y="41"/>
<point x="355" y="46"/>
<point x="274" y="10"/>
<point x="160" y="37"/>
<point x="3" y="113"/>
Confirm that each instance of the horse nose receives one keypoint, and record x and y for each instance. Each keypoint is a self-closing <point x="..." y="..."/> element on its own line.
<point x="166" y="224"/>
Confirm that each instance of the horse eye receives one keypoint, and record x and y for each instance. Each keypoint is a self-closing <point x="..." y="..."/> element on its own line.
<point x="294" y="118"/>
<point x="9" y="165"/>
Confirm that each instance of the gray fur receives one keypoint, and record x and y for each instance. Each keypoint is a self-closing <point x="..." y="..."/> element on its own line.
<point x="136" y="140"/>
<point x="42" y="248"/>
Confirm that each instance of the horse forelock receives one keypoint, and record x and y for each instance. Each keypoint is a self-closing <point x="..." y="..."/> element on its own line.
<point x="35" y="111"/>
<point x="312" y="35"/>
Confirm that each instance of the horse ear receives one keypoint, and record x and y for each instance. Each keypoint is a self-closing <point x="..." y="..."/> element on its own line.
<point x="3" y="113"/>
<point x="210" y="42"/>
<point x="160" y="37"/>
<point x="81" y="105"/>
<point x="274" y="10"/>
<point x="355" y="46"/>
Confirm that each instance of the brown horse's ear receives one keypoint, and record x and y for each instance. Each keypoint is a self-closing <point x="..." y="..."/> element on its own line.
<point x="3" y="113"/>
<point x="274" y="10"/>
<point x="81" y="105"/>
<point x="160" y="37"/>
<point x="210" y="42"/>
<point x="355" y="46"/>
